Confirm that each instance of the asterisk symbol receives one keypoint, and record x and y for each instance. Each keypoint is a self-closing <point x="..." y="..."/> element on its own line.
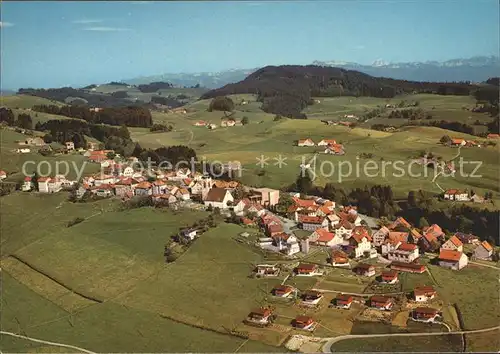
<point x="280" y="161"/>
<point x="262" y="161"/>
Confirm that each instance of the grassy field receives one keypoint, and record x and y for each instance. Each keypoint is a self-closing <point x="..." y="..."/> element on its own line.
<point x="271" y="139"/>
<point x="27" y="313"/>
<point x="483" y="342"/>
<point x="425" y="344"/>
<point x="13" y="162"/>
<point x="474" y="290"/>
<point x="25" y="101"/>
<point x="113" y="254"/>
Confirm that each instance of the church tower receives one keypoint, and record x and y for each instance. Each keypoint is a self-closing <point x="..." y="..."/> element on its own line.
<point x="207" y="184"/>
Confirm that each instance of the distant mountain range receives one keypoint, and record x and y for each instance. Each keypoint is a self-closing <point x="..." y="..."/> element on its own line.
<point x="475" y="69"/>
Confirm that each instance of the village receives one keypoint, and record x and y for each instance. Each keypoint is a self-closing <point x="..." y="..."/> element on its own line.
<point x="309" y="239"/>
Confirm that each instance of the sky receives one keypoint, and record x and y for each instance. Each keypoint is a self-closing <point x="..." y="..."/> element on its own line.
<point x="54" y="44"/>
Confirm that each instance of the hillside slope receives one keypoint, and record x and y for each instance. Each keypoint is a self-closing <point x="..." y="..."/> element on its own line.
<point x="288" y="89"/>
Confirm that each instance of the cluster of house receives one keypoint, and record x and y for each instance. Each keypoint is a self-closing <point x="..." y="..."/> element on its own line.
<point x="331" y="146"/>
<point x="311" y="298"/>
<point x="47" y="184"/>
<point x="462" y="142"/>
<point x="230" y="122"/>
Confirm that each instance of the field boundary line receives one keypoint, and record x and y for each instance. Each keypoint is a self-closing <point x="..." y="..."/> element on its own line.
<point x="47" y="342"/>
<point x="87" y="297"/>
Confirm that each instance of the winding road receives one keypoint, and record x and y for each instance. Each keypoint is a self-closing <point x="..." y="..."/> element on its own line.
<point x="327" y="346"/>
<point x="56" y="344"/>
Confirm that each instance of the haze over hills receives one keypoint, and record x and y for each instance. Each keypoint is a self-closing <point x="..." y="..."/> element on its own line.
<point x="476" y="69"/>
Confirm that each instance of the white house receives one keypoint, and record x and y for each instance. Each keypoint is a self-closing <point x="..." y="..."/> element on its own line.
<point x="128" y="171"/>
<point x="454" y="260"/>
<point x="361" y="241"/>
<point x="189" y="234"/>
<point x="405" y="252"/>
<point x="26" y="187"/>
<point x="69" y="145"/>
<point x="23" y="151"/>
<point x="380" y="235"/>
<point x="311" y="223"/>
<point x="424" y="293"/>
<point x="456" y="195"/>
<point x="483" y="251"/>
<point x="326" y="142"/>
<point x="453" y="244"/>
<point x="344" y="228"/>
<point x="305" y="142"/>
<point x="3" y="175"/>
<point x="218" y="198"/>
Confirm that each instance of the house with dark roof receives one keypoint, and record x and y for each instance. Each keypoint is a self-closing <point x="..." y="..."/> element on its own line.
<point x="261" y="316"/>
<point x="218" y="198"/>
<point x="389" y="277"/>
<point x="363" y="269"/>
<point x="425" y="314"/>
<point x="383" y="303"/>
<point x="467" y="238"/>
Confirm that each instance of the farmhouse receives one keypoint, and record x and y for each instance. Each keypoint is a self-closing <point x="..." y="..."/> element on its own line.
<point x="307" y="270"/>
<point x="456" y="195"/>
<point x="323" y="237"/>
<point x="457" y="142"/>
<point x="453" y="244"/>
<point x="26" y="187"/>
<point x="360" y="240"/>
<point x="283" y="291"/>
<point x="467" y="238"/>
<point x="383" y="303"/>
<point x="343" y="301"/>
<point x="366" y="270"/>
<point x="408" y="267"/>
<point x="3" y="175"/>
<point x="312" y="223"/>
<point x="338" y="258"/>
<point x="493" y="136"/>
<point x="335" y="149"/>
<point x="311" y="297"/>
<point x="405" y="252"/>
<point x="326" y="142"/>
<point x="424" y="293"/>
<point x="305" y="142"/>
<point x="260" y="316"/>
<point x="424" y="314"/>
<point x="483" y="251"/>
<point x="452" y="259"/>
<point x="70" y="146"/>
<point x="218" y="198"/>
<point x="389" y="277"/>
<point x="379" y="236"/>
<point x="267" y="270"/>
<point x="304" y="322"/>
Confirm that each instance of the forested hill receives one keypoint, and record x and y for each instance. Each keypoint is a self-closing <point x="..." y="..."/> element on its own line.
<point x="287" y="89"/>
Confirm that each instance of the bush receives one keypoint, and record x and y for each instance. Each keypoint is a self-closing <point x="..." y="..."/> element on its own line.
<point x="221" y="103"/>
<point x="75" y="221"/>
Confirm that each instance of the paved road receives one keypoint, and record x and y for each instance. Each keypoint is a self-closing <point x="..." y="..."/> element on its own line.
<point x="47" y="342"/>
<point x="484" y="265"/>
<point x="327" y="346"/>
<point x="357" y="294"/>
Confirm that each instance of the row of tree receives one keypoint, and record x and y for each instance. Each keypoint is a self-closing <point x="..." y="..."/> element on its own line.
<point x="131" y="116"/>
<point x="23" y="120"/>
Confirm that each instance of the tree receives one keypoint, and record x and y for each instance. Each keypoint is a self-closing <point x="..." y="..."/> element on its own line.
<point x="412" y="199"/>
<point x="6" y="116"/>
<point x="445" y="139"/>
<point x="24" y="121"/>
<point x="284" y="203"/>
<point x="110" y="155"/>
<point x="244" y="121"/>
<point x="423" y="222"/>
<point x="239" y="192"/>
<point x="303" y="184"/>
<point x="221" y="103"/>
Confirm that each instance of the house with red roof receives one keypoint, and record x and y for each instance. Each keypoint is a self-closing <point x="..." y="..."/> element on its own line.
<point x="435" y="230"/>
<point x="393" y="240"/>
<point x="311" y="297"/>
<point x="283" y="291"/>
<point x="323" y="237"/>
<point x="451" y="259"/>
<point x="379" y="236"/>
<point x="343" y="301"/>
<point x="339" y="258"/>
<point x="343" y="229"/>
<point x="326" y="142"/>
<point x="334" y="149"/>
<point x="405" y="252"/>
<point x="3" y="174"/>
<point x="458" y="142"/>
<point x="399" y="222"/>
<point x="312" y="223"/>
<point x="305" y="142"/>
<point x="360" y="240"/>
<point x="483" y="251"/>
<point x="424" y="293"/>
<point x="453" y="244"/>
<point x="261" y="316"/>
<point x="456" y="195"/>
<point x="200" y="123"/>
<point x="383" y="303"/>
<point x="389" y="277"/>
<point x="493" y="136"/>
<point x="27" y="185"/>
<point x="425" y="314"/>
<point x="305" y="269"/>
<point x="304" y="322"/>
<point x="428" y="243"/>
